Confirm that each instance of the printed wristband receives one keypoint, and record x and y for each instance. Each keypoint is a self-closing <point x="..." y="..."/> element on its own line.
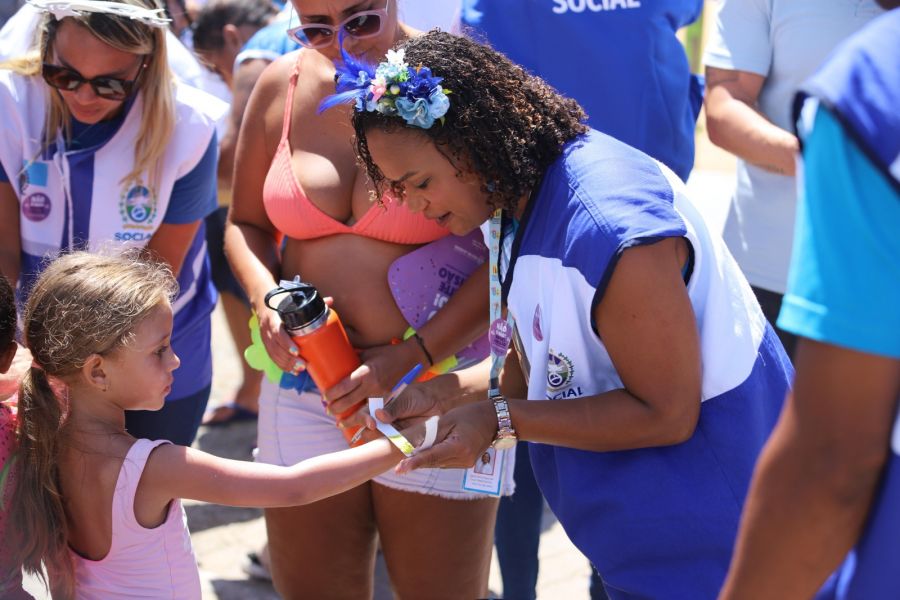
<point x="397" y="438"/>
<point x="403" y="444"/>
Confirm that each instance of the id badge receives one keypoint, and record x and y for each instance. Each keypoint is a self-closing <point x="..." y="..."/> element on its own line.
<point x="484" y="477"/>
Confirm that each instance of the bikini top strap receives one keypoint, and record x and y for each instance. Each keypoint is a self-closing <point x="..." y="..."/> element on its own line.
<point x="289" y="100"/>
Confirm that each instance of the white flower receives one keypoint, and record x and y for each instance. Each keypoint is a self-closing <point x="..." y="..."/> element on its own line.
<point x="396" y="58"/>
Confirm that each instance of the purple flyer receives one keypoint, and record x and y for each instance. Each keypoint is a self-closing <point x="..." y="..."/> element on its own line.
<point x="423" y="280"/>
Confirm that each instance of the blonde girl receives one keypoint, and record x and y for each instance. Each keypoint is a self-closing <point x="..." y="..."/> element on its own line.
<point x="101" y="147"/>
<point x="100" y="508"/>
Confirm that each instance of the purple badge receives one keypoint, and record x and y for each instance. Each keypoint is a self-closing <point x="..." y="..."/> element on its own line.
<point x="499" y="334"/>
<point x="36" y="207"/>
<point x="536" y="324"/>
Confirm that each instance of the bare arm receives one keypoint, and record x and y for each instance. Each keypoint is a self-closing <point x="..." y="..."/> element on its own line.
<point x="648" y="325"/>
<point x="251" y="240"/>
<point x="461" y="321"/>
<point x="735" y="124"/>
<point x="180" y="472"/>
<point x="10" y="239"/>
<point x="444" y="393"/>
<point x="246" y="76"/>
<point x="818" y="474"/>
<point x="171" y="242"/>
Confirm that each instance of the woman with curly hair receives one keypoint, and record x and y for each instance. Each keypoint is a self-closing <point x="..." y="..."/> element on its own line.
<point x="642" y="372"/>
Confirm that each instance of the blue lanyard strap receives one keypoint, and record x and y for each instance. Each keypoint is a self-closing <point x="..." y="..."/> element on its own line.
<point x="500" y="332"/>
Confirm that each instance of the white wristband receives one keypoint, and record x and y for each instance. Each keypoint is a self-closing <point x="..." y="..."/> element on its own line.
<point x="431" y="429"/>
<point x="389" y="430"/>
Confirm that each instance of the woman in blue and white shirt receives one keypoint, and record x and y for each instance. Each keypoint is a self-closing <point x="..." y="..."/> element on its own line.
<point x="648" y="378"/>
<point x="101" y="151"/>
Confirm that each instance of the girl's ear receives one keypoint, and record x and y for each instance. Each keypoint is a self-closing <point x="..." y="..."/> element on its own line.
<point x="94" y="373"/>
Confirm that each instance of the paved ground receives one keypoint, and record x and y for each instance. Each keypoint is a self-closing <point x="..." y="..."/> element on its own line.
<point x="222" y="536"/>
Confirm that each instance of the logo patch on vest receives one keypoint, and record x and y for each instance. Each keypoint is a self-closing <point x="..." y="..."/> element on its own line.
<point x="560" y="371"/>
<point x="138" y="207"/>
<point x="36" y="207"/>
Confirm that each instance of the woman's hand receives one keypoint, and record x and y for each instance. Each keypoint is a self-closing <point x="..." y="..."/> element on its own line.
<point x="382" y="368"/>
<point x="417" y="402"/>
<point x="279" y="345"/>
<point x="463" y="435"/>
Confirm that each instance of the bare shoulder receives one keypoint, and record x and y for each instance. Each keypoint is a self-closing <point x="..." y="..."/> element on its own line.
<point x="275" y="76"/>
<point x="263" y="117"/>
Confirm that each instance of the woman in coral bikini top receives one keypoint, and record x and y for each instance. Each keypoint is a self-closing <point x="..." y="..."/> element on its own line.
<point x="296" y="176"/>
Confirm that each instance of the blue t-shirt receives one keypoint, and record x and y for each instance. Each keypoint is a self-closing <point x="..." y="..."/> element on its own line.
<point x="844" y="289"/>
<point x="268" y="43"/>
<point x="619" y="59"/>
<point x="844" y="284"/>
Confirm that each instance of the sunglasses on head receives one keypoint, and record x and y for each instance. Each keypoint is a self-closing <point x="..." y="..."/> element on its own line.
<point x="109" y="88"/>
<point x="364" y="24"/>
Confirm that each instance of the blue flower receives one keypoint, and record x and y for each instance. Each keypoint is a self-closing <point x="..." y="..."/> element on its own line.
<point x="421" y="84"/>
<point x="438" y="103"/>
<point x="390" y="72"/>
<point x="415" y="112"/>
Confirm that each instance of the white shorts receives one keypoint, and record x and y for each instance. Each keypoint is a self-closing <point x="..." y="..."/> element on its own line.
<point x="293" y="426"/>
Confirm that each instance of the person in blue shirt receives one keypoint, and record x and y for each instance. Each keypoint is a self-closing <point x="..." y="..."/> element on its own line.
<point x="644" y="375"/>
<point x="622" y="61"/>
<point x="827" y="487"/>
<point x="100" y="150"/>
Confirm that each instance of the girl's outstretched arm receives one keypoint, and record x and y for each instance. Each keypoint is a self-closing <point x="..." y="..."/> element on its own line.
<point x="180" y="472"/>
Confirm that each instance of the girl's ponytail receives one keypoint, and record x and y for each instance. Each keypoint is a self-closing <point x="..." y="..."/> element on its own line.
<point x="38" y="512"/>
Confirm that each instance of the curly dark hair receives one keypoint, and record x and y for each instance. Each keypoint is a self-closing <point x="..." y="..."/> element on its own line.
<point x="504" y="124"/>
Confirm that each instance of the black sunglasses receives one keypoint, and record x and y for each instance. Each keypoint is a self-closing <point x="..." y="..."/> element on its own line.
<point x="109" y="88"/>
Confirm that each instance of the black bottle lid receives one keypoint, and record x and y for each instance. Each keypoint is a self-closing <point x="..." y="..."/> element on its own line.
<point x="301" y="305"/>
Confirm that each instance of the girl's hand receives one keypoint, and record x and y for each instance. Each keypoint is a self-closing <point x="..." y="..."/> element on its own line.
<point x="382" y="368"/>
<point x="463" y="435"/>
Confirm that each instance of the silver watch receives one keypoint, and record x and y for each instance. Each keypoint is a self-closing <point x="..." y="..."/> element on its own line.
<point x="506" y="435"/>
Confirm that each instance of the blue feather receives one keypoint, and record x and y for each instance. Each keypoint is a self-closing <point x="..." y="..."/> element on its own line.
<point x="348" y="84"/>
<point x="347" y="97"/>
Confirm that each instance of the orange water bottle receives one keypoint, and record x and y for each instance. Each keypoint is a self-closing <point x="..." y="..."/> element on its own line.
<point x="319" y="335"/>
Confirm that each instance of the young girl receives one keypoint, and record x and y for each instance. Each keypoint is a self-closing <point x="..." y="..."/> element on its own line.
<point x="100" y="508"/>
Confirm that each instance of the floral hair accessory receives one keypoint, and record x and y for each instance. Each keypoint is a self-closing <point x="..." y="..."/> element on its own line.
<point x="154" y="17"/>
<point x="391" y="88"/>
